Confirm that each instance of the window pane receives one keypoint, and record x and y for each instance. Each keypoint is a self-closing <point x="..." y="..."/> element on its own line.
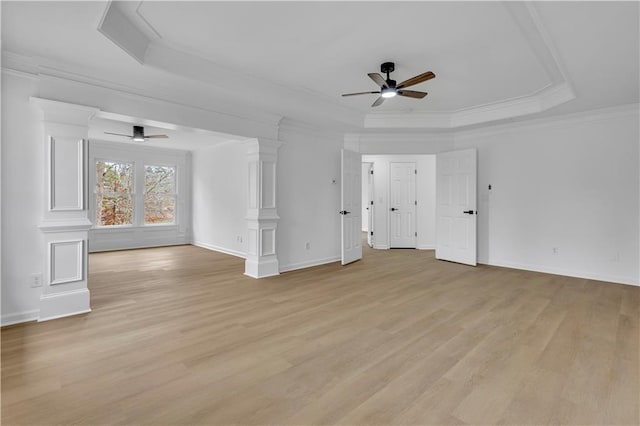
<point x="159" y="208"/>
<point x="159" y="198"/>
<point x="114" y="209"/>
<point x="159" y="180"/>
<point x="112" y="177"/>
<point x="114" y="187"/>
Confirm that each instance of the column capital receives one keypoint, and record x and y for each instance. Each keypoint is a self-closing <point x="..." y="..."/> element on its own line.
<point x="263" y="146"/>
<point x="65" y="113"/>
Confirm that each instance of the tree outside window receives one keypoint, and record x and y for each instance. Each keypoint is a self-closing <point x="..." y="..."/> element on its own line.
<point x="160" y="194"/>
<point x="114" y="193"/>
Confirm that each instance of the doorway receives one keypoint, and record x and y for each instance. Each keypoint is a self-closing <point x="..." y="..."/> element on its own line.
<point x="403" y="202"/>
<point x="407" y="184"/>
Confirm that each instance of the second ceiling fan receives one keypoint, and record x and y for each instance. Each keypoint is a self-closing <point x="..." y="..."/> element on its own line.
<point x="389" y="88"/>
<point x="138" y="135"/>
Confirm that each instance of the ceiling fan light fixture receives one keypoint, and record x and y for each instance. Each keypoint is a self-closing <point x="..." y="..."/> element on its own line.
<point x="389" y="92"/>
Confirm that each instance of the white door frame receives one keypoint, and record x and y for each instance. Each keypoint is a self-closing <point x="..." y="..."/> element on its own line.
<point x="370" y="210"/>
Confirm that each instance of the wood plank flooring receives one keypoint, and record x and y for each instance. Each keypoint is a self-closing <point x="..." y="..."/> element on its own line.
<point x="179" y="336"/>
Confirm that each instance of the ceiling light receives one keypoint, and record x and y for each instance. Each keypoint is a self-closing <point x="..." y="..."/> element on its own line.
<point x="388" y="92"/>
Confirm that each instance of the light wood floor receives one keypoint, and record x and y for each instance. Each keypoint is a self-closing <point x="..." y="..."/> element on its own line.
<point x="178" y="336"/>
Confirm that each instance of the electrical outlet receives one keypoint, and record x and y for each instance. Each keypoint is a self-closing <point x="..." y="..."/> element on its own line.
<point x="35" y="280"/>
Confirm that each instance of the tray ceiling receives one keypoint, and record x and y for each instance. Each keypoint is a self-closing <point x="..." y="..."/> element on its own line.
<point x="493" y="60"/>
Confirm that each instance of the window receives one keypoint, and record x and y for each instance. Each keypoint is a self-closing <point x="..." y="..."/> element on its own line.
<point x="160" y="194"/>
<point x="120" y="187"/>
<point x="114" y="193"/>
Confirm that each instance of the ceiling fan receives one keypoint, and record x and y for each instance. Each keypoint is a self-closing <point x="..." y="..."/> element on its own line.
<point x="389" y="88"/>
<point x="138" y="135"/>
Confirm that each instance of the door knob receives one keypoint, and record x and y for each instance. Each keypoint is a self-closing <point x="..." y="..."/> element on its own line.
<point x="343" y="212"/>
<point x="393" y="209"/>
<point x="468" y="211"/>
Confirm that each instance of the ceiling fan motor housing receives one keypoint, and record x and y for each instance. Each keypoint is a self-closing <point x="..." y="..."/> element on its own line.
<point x="387" y="67"/>
<point x="138" y="132"/>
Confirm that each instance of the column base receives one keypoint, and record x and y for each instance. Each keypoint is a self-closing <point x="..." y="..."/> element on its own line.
<point x="262" y="268"/>
<point x="59" y="305"/>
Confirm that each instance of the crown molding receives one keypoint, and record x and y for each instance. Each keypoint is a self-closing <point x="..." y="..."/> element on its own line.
<point x="543" y="100"/>
<point x="426" y="141"/>
<point x="572" y="119"/>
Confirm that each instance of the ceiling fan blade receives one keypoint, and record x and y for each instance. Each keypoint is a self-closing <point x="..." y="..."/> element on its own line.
<point x="378" y="101"/>
<point x="412" y="94"/>
<point x="156" y="137"/>
<point x="379" y="80"/>
<point x="417" y="79"/>
<point x="117" y="134"/>
<point x="359" y="93"/>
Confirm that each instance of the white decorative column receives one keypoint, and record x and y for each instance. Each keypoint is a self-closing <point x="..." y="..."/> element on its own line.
<point x="262" y="215"/>
<point x="65" y="220"/>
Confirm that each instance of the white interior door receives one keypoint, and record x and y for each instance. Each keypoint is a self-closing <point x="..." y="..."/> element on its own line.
<point x="351" y="206"/>
<point x="456" y="211"/>
<point x="402" y="205"/>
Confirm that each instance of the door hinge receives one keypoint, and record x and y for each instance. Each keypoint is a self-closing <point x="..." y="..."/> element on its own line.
<point x="415" y="171"/>
<point x="415" y="233"/>
<point x="372" y="233"/>
<point x="371" y="171"/>
<point x="371" y="202"/>
<point x="415" y="203"/>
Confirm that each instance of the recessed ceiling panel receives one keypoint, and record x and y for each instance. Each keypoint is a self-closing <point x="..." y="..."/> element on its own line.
<point x="476" y="49"/>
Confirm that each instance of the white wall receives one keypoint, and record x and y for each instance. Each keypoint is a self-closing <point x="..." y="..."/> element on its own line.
<point x="127" y="237"/>
<point x="308" y="200"/>
<point x="425" y="195"/>
<point x="23" y="166"/>
<point x="220" y="186"/>
<point x="571" y="184"/>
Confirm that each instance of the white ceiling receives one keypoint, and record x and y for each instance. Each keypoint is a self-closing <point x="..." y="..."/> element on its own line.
<point x="296" y="58"/>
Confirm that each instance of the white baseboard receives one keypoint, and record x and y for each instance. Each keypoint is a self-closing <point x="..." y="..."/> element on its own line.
<point x="16" y="318"/>
<point x="134" y="246"/>
<point x="427" y="247"/>
<point x="309" y="263"/>
<point x="219" y="249"/>
<point x="381" y="246"/>
<point x="560" y="271"/>
<point x="60" y="305"/>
